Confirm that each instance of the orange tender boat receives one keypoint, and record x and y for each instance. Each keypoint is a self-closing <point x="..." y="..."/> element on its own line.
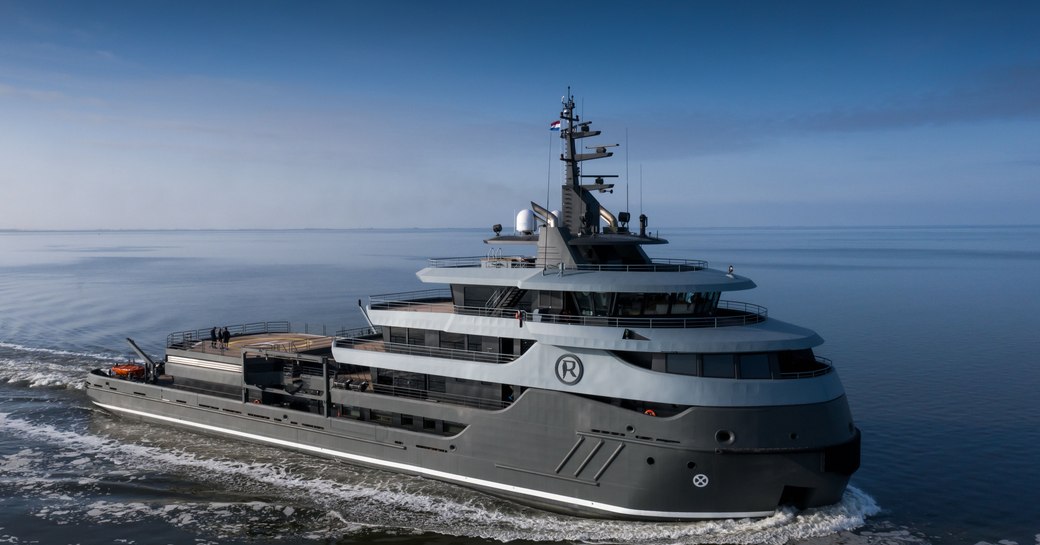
<point x="128" y="371"/>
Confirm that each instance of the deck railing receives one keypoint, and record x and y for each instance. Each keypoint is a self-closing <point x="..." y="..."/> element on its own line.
<point x="729" y="313"/>
<point x="294" y="345"/>
<point x="420" y="350"/>
<point x="488" y="262"/>
<point x="521" y="262"/>
<point x="825" y="366"/>
<point x="405" y="298"/>
<point x="185" y="339"/>
<point x="360" y="332"/>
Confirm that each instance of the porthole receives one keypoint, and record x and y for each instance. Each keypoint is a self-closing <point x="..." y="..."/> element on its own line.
<point x="794" y="436"/>
<point x="629" y="429"/>
<point x="691" y="465"/>
<point x="650" y="461"/>
<point x="451" y="447"/>
<point x="724" y="437"/>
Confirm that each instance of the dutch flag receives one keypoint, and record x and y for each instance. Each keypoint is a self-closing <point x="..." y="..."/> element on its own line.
<point x="555" y="125"/>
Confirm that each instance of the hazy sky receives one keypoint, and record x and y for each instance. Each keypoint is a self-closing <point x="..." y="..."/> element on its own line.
<point x="191" y="114"/>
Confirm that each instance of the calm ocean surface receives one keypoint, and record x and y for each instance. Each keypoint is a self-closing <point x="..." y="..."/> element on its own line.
<point x="934" y="332"/>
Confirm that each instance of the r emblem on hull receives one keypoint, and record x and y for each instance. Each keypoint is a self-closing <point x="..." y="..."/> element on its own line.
<point x="569" y="369"/>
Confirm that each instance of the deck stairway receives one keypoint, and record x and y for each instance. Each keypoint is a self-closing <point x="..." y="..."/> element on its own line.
<point x="505" y="298"/>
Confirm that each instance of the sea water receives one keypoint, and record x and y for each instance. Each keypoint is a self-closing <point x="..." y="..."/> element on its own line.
<point x="934" y="332"/>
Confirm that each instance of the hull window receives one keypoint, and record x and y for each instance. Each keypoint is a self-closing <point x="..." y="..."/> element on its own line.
<point x="790" y="364"/>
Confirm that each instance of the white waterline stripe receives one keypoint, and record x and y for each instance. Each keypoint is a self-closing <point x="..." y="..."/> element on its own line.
<point x="444" y="475"/>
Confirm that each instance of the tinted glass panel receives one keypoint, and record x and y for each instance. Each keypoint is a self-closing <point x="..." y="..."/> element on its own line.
<point x="451" y="428"/>
<point x="718" y="365"/>
<point x="754" y="366"/>
<point x="682" y="364"/>
<point x="452" y="340"/>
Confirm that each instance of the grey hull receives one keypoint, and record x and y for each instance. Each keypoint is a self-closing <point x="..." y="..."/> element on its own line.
<point x="587" y="378"/>
<point x="555" y="450"/>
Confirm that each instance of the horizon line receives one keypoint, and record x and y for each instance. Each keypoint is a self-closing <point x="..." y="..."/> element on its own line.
<point x="276" y="229"/>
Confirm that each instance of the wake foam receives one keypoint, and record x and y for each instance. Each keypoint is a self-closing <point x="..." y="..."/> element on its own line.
<point x="39" y="367"/>
<point x="276" y="493"/>
<point x="59" y="352"/>
<point x="42" y="375"/>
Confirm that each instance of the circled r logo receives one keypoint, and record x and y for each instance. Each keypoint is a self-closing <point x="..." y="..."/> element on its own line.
<point x="569" y="369"/>
<point x="700" y="480"/>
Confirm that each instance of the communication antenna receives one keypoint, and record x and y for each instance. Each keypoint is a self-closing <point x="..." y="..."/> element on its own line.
<point x="627" y="208"/>
<point x="640" y="189"/>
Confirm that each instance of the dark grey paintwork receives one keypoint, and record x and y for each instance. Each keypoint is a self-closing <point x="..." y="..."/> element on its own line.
<point x="551" y="449"/>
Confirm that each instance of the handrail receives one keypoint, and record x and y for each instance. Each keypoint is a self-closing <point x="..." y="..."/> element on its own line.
<point x="734" y="313"/>
<point x="655" y="265"/>
<point x="417" y="296"/>
<point x="522" y="262"/>
<point x="429" y="351"/>
<point x="184" y="339"/>
<point x="486" y="261"/>
<point x="296" y="345"/>
<point x="359" y="332"/>
<point x="827" y="364"/>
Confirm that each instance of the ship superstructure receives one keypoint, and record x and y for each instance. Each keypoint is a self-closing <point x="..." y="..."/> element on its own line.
<point x="586" y="378"/>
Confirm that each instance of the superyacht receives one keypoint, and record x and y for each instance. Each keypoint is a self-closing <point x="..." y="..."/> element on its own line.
<point x="585" y="378"/>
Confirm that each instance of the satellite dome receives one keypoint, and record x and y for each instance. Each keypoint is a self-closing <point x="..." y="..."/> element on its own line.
<point x="525" y="222"/>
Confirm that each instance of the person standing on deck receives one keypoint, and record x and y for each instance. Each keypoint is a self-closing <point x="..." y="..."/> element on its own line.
<point x="213" y="337"/>
<point x="226" y="337"/>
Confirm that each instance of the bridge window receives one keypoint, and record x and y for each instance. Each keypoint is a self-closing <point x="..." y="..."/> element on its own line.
<point x="682" y="364"/>
<point x="665" y="304"/>
<point x="592" y="303"/>
<point x="718" y="365"/>
<point x="754" y="366"/>
<point x="630" y="304"/>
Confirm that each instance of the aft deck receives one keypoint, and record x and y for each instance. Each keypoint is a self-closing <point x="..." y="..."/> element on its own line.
<point x="278" y="342"/>
<point x="267" y="336"/>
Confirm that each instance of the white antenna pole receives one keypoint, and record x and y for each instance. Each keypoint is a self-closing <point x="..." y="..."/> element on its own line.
<point x="627" y="208"/>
